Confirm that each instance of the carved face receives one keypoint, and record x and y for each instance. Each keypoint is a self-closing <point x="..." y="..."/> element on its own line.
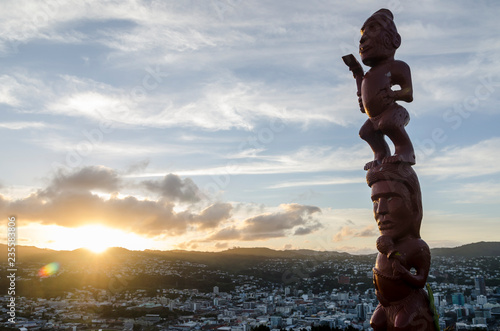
<point x="375" y="44"/>
<point x="392" y="210"/>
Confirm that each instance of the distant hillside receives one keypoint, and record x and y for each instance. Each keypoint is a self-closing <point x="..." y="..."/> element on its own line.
<point x="238" y="257"/>
<point x="271" y="253"/>
<point x="470" y="250"/>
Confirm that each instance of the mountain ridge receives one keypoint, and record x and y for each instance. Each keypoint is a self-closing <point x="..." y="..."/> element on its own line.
<point x="481" y="248"/>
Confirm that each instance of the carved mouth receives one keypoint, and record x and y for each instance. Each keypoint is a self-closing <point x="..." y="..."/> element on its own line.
<point x="385" y="225"/>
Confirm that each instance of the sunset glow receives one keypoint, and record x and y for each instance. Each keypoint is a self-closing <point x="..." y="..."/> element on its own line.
<point x="126" y="125"/>
<point x="96" y="238"/>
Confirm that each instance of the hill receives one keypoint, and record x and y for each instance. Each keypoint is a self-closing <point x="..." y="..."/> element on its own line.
<point x="271" y="253"/>
<point x="238" y="256"/>
<point x="470" y="250"/>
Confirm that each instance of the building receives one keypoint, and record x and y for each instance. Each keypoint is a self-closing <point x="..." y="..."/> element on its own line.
<point x="276" y="322"/>
<point x="481" y="299"/>
<point x="362" y="310"/>
<point x="458" y="299"/>
<point x="479" y="285"/>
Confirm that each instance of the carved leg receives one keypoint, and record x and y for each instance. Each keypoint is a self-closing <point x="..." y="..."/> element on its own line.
<point x="403" y="320"/>
<point x="379" y="321"/>
<point x="392" y="124"/>
<point x="376" y="141"/>
<point x="403" y="147"/>
<point x="415" y="314"/>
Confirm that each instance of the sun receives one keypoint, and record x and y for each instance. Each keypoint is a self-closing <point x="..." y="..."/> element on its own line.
<point x="94" y="237"/>
<point x="97" y="238"/>
<point x="97" y="249"/>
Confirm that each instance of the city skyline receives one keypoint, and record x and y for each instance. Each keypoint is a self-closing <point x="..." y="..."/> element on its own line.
<point x="215" y="124"/>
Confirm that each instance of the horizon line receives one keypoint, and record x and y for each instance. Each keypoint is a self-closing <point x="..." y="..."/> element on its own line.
<point x="225" y="250"/>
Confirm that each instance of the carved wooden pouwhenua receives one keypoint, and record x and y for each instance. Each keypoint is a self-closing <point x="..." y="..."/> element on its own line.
<point x="403" y="261"/>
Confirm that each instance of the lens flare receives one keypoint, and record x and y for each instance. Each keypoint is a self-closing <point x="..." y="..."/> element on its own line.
<point x="48" y="270"/>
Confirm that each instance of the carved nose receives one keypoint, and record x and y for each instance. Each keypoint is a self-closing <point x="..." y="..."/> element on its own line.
<point x="382" y="206"/>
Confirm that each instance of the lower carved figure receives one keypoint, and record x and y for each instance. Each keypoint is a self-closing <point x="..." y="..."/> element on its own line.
<point x="403" y="261"/>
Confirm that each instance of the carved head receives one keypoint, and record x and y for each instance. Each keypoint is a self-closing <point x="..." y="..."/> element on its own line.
<point x="397" y="201"/>
<point x="379" y="38"/>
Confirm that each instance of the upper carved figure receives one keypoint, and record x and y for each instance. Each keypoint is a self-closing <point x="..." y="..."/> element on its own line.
<point x="378" y="90"/>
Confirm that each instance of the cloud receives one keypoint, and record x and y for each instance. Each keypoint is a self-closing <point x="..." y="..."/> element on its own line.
<point x="172" y="187"/>
<point x="229" y="91"/>
<point x="238" y="64"/>
<point x="228" y="102"/>
<point x="211" y="216"/>
<point x="306" y="159"/>
<point x="302" y="231"/>
<point x="23" y="125"/>
<point x="97" y="142"/>
<point x="349" y="222"/>
<point x="320" y="182"/>
<point x="347" y="232"/>
<point x="23" y="90"/>
<point x="91" y="195"/>
<point x="475" y="160"/>
<point x="138" y="166"/>
<point x="219" y="245"/>
<point x="86" y="179"/>
<point x="479" y="192"/>
<point x="295" y="219"/>
<point x="69" y="201"/>
<point x="228" y="233"/>
<point x="368" y="231"/>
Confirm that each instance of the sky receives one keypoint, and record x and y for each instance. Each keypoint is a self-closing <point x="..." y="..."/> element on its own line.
<point x="212" y="124"/>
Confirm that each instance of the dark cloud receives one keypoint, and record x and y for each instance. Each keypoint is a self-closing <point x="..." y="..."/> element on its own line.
<point x="295" y="219"/>
<point x="85" y="179"/>
<point x="74" y="209"/>
<point x="76" y="199"/>
<point x="172" y="187"/>
<point x="302" y="231"/>
<point x="211" y="216"/>
<point x="69" y="201"/>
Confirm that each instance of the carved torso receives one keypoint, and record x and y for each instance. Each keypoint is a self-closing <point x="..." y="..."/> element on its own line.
<point x="414" y="253"/>
<point x="374" y="88"/>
